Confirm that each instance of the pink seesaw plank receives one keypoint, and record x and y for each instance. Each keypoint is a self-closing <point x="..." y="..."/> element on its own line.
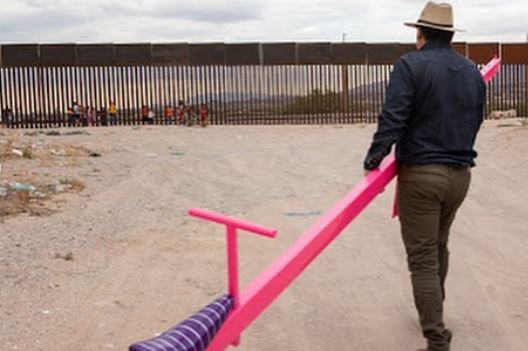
<point x="491" y="69"/>
<point x="265" y="288"/>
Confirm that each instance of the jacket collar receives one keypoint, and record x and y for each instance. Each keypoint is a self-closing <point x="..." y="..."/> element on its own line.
<point x="432" y="44"/>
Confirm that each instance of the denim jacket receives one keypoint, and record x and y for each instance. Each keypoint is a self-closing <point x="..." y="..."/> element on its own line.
<point x="433" y="109"/>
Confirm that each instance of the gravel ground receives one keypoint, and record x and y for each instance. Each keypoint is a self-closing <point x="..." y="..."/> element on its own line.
<point x="114" y="258"/>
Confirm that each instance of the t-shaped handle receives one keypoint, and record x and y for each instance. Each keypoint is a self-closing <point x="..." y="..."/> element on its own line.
<point x="232" y="224"/>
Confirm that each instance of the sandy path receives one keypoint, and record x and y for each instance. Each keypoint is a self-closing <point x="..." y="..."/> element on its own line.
<point x="140" y="264"/>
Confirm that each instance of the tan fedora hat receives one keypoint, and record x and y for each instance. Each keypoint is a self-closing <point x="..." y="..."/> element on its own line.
<point x="437" y="16"/>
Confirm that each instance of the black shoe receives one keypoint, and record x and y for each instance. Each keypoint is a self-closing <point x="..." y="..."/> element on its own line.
<point x="449" y="336"/>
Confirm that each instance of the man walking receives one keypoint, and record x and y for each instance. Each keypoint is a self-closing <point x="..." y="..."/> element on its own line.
<point x="432" y="112"/>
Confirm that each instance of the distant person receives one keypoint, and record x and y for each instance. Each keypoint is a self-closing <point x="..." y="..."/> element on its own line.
<point x="90" y="116"/>
<point x="71" y="117"/>
<point x="81" y="119"/>
<point x="76" y="112"/>
<point x="103" y="116"/>
<point x="180" y="112"/>
<point x="7" y="117"/>
<point x="151" y="116"/>
<point x="10" y="116"/>
<point x="433" y="110"/>
<point x="147" y="115"/>
<point x="191" y="117"/>
<point x="169" y="114"/>
<point x="203" y="115"/>
<point x="144" y="114"/>
<point x="112" y="113"/>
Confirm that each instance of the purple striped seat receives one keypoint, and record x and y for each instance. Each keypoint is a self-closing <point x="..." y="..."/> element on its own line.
<point x="194" y="333"/>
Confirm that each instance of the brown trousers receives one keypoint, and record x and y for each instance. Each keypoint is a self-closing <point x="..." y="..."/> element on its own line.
<point x="428" y="199"/>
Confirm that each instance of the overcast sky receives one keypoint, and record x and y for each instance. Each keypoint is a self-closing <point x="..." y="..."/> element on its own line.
<point x="247" y="20"/>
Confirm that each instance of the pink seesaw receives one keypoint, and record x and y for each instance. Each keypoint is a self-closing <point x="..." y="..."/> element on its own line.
<point x="221" y="323"/>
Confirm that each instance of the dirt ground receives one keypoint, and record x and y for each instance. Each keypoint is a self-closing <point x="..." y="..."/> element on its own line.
<point x="114" y="258"/>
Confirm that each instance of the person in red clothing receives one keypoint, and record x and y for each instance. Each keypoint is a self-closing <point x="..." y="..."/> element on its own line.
<point x="203" y="115"/>
<point x="169" y="114"/>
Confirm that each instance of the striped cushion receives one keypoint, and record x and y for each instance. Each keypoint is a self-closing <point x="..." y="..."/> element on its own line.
<point x="194" y="333"/>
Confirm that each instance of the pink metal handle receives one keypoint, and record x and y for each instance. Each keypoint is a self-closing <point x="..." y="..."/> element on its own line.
<point x="232" y="224"/>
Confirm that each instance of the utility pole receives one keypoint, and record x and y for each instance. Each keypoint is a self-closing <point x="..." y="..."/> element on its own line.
<point x="343" y="106"/>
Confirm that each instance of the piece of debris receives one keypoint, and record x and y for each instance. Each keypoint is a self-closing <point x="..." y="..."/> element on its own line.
<point x="69" y="184"/>
<point x="60" y="153"/>
<point x="94" y="154"/>
<point x="17" y="152"/>
<point x="24" y="187"/>
<point x="27" y="153"/>
<point x="35" y="133"/>
<point x="506" y="125"/>
<point x="39" y="195"/>
<point x="76" y="132"/>
<point x="303" y="214"/>
<point x="66" y="257"/>
<point x="503" y="114"/>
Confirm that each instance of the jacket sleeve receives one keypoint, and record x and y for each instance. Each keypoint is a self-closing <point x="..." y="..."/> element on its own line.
<point x="394" y="117"/>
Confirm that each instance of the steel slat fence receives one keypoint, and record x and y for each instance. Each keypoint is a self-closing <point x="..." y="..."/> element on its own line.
<point x="239" y="84"/>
